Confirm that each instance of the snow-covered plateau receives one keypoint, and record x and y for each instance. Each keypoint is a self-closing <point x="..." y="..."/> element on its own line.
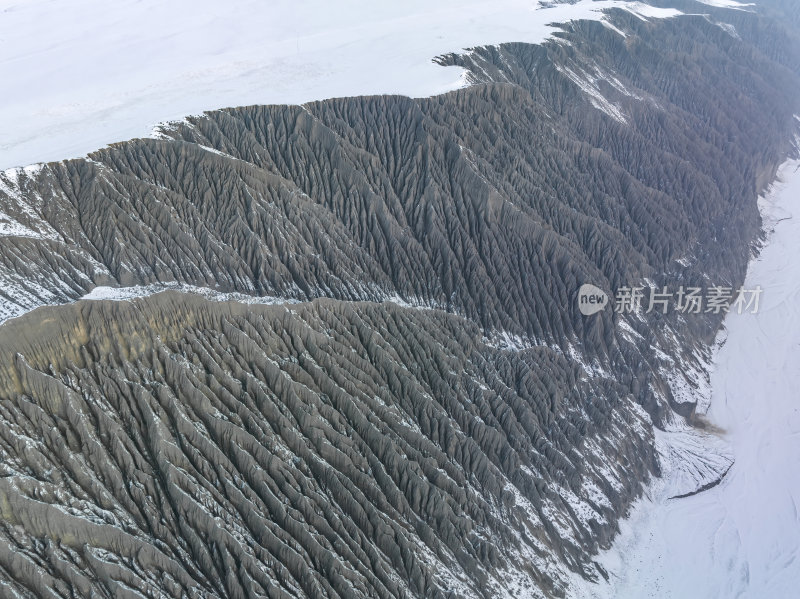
<point x="740" y="538"/>
<point x="82" y="74"/>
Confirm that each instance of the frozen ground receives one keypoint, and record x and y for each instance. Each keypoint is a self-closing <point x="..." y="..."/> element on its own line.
<point x="740" y="539"/>
<point x="79" y="74"/>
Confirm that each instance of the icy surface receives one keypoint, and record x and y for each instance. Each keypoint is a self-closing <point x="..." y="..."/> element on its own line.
<point x="740" y="538"/>
<point x="81" y="74"/>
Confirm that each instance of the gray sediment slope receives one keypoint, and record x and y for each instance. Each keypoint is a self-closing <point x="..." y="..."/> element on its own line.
<point x="347" y="446"/>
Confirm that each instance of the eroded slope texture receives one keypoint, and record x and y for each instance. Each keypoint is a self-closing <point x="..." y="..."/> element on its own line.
<point x="430" y="415"/>
<point x="334" y="449"/>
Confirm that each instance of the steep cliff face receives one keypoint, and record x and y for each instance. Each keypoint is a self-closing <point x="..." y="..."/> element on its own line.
<point x="426" y="413"/>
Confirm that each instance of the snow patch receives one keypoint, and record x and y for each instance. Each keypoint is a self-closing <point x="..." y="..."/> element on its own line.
<point x="118" y="294"/>
<point x="588" y="83"/>
<point x="729" y="29"/>
<point x="646" y="12"/>
<point x="82" y="74"/>
<point x="727" y="4"/>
